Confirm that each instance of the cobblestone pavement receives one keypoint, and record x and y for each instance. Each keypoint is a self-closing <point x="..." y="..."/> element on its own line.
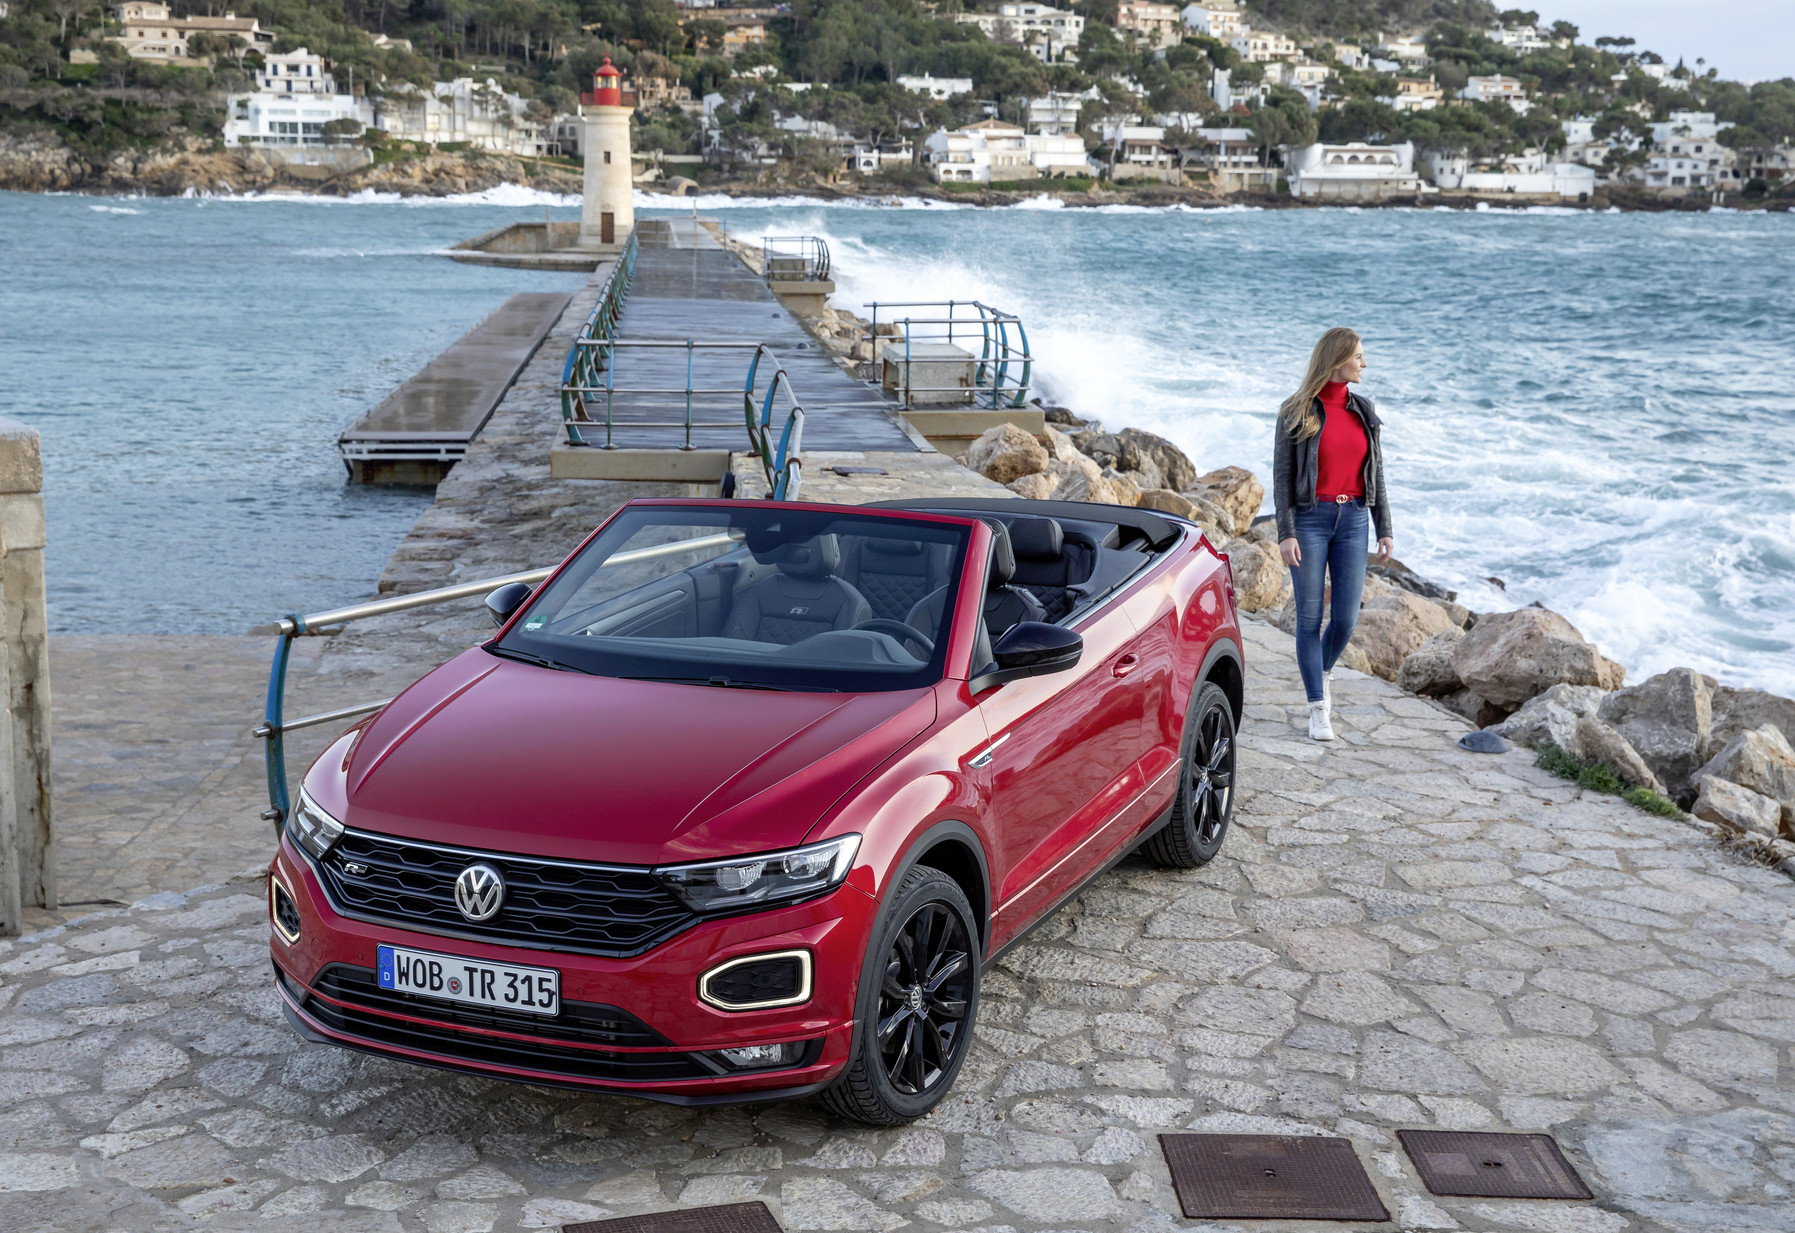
<point x="1396" y="934"/>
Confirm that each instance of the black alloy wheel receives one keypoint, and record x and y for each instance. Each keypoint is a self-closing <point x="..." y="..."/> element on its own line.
<point x="917" y="1003"/>
<point x="1205" y="800"/>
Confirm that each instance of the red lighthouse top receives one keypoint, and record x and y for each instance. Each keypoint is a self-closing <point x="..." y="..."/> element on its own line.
<point x="606" y="90"/>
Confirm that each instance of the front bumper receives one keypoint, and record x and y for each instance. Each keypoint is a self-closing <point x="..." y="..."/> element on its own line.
<point x="633" y="1026"/>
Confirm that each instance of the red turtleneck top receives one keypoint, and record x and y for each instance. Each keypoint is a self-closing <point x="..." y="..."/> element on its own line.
<point x="1340" y="470"/>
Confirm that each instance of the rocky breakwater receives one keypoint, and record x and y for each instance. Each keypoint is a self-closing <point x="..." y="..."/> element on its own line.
<point x="1528" y="674"/>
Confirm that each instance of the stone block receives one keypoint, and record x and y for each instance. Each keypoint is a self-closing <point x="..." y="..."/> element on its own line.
<point x="1763" y="761"/>
<point x="1737" y="809"/>
<point x="1509" y="657"/>
<point x="1666" y="719"/>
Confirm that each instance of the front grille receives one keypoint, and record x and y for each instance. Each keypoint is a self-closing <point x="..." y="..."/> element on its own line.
<point x="360" y="1017"/>
<point x="587" y="909"/>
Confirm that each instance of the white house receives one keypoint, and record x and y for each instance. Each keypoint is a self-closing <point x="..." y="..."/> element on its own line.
<point x="1232" y="157"/>
<point x="1354" y="172"/>
<point x="1139" y="151"/>
<point x="1346" y="55"/>
<point x="462" y="111"/>
<point x="1156" y="25"/>
<point x="1406" y="48"/>
<point x="1012" y="21"/>
<point x="1058" y="112"/>
<point x="272" y="120"/>
<point x="1497" y="89"/>
<point x="1226" y="94"/>
<point x="1529" y="175"/>
<point x="1219" y="19"/>
<point x="872" y="159"/>
<point x="997" y="150"/>
<point x="1524" y="38"/>
<point x="1686" y="164"/>
<point x="937" y="88"/>
<point x="1694" y="125"/>
<point x="295" y="72"/>
<point x="1263" y="46"/>
<point x="1307" y="77"/>
<point x="1414" y="94"/>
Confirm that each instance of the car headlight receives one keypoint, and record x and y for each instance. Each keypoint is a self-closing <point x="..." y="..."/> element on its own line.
<point x="313" y="829"/>
<point x="721" y="886"/>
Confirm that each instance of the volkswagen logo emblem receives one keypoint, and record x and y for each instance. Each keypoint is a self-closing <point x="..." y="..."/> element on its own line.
<point x="479" y="892"/>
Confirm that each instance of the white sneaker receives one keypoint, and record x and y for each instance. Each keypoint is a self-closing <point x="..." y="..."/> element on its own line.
<point x="1321" y="728"/>
<point x="1327" y="691"/>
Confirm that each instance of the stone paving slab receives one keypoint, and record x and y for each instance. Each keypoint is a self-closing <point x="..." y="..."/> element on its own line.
<point x="1397" y="934"/>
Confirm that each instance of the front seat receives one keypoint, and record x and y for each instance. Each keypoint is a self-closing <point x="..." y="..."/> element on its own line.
<point x="803" y="598"/>
<point x="1005" y="605"/>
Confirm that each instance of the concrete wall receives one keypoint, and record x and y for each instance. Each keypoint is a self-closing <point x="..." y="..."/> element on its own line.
<point x="27" y="867"/>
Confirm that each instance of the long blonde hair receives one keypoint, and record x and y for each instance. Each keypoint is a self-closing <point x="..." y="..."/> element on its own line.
<point x="1297" y="415"/>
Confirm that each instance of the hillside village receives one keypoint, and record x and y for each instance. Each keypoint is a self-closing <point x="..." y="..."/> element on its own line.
<point x="1266" y="98"/>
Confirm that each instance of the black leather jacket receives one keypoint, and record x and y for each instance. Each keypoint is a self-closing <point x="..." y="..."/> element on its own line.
<point x="1295" y="465"/>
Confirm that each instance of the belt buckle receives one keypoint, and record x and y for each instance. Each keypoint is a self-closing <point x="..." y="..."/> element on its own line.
<point x="1342" y="499"/>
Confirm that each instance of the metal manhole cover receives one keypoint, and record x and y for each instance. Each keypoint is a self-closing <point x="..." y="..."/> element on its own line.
<point x="1492" y="1166"/>
<point x="1270" y="1177"/>
<point x="728" y="1218"/>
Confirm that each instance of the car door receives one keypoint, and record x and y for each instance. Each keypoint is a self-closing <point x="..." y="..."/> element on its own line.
<point x="1062" y="758"/>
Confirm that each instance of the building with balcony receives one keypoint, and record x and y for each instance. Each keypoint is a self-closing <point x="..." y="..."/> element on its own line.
<point x="1262" y="46"/>
<point x="1415" y="94"/>
<point x="1531" y="174"/>
<point x="1231" y="156"/>
<point x="1011" y="23"/>
<point x="1403" y="48"/>
<point x="1154" y="25"/>
<point x="1497" y="89"/>
<point x="1216" y="19"/>
<point x="149" y="31"/>
<point x="1057" y="114"/>
<point x="937" y="88"/>
<point x="295" y="72"/>
<point x="997" y="150"/>
<point x="1354" y="171"/>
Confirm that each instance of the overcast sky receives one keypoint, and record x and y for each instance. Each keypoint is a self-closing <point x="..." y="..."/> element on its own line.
<point x="1746" y="40"/>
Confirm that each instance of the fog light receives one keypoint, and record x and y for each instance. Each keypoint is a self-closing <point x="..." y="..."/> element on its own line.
<point x="282" y="911"/>
<point x="758" y="982"/>
<point x="755" y="1057"/>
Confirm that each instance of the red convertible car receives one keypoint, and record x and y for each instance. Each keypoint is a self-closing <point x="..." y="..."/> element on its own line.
<point x="741" y="800"/>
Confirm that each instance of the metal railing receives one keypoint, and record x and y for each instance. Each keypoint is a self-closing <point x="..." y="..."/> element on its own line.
<point x="997" y="367"/>
<point x="275" y="726"/>
<point x="600" y="325"/>
<point x="794" y="258"/>
<point x="749" y="401"/>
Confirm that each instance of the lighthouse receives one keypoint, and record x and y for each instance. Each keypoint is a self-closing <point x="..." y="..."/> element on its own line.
<point x="606" y="213"/>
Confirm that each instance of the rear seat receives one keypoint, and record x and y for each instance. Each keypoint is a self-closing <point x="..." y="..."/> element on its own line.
<point x="1048" y="565"/>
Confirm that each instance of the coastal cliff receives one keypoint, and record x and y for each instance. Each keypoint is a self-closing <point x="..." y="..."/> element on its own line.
<point x="37" y="160"/>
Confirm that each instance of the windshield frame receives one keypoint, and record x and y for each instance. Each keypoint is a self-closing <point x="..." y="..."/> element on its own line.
<point x="969" y="539"/>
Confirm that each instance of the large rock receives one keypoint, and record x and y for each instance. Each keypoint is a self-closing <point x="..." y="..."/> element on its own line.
<point x="1509" y="657"/>
<point x="1742" y="710"/>
<point x="1737" y="809"/>
<point x="1083" y="481"/>
<point x="1108" y="449"/>
<point x="1474" y="707"/>
<point x="1394" y="626"/>
<point x="1597" y="742"/>
<point x="1169" y="502"/>
<point x="1236" y="490"/>
<point x="1261" y="580"/>
<point x="1127" y="491"/>
<point x="1666" y="719"/>
<point x="1058" y="445"/>
<point x="1173" y="467"/>
<point x="1036" y="487"/>
<point x="1763" y="761"/>
<point x="1005" y="452"/>
<point x="1551" y="718"/>
<point x="1428" y="669"/>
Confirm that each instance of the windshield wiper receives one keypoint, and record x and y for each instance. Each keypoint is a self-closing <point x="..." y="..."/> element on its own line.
<point x="723" y="682"/>
<point x="541" y="661"/>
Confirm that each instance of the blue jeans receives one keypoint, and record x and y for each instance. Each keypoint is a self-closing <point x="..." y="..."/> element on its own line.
<point x="1333" y="541"/>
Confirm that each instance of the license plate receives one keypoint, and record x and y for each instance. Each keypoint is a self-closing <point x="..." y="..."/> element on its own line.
<point x="505" y="986"/>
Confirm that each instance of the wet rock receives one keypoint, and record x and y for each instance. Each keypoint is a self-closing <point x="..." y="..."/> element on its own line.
<point x="1666" y="719"/>
<point x="1261" y="580"/>
<point x="1394" y="626"/>
<point x="1763" y="761"/>
<point x="1551" y="717"/>
<point x="1737" y="809"/>
<point x="1235" y="490"/>
<point x="1597" y="742"/>
<point x="1428" y="668"/>
<point x="1509" y="657"/>
<point x="1005" y="453"/>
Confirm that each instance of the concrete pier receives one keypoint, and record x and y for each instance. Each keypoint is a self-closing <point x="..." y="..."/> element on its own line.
<point x="1397" y="934"/>
<point x="423" y="428"/>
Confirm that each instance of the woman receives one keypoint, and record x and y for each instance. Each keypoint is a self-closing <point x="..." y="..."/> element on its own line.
<point x="1328" y="483"/>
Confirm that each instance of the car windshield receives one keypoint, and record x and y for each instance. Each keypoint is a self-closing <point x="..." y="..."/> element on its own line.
<point x="752" y="596"/>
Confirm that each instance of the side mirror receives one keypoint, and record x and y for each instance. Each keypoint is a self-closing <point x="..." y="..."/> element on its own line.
<point x="500" y="604"/>
<point x="1031" y="648"/>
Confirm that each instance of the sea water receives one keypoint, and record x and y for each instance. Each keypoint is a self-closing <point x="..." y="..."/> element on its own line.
<point x="1595" y="409"/>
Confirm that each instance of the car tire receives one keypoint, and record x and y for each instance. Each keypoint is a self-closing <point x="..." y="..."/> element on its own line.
<point x="1205" y="801"/>
<point x="927" y="1009"/>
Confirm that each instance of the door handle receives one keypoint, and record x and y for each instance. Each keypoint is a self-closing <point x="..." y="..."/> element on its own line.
<point x="1126" y="664"/>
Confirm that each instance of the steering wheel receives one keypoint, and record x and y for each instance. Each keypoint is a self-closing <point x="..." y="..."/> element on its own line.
<point x="900" y="631"/>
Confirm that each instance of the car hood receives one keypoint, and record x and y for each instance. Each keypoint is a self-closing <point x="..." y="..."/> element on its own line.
<point x="493" y="754"/>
